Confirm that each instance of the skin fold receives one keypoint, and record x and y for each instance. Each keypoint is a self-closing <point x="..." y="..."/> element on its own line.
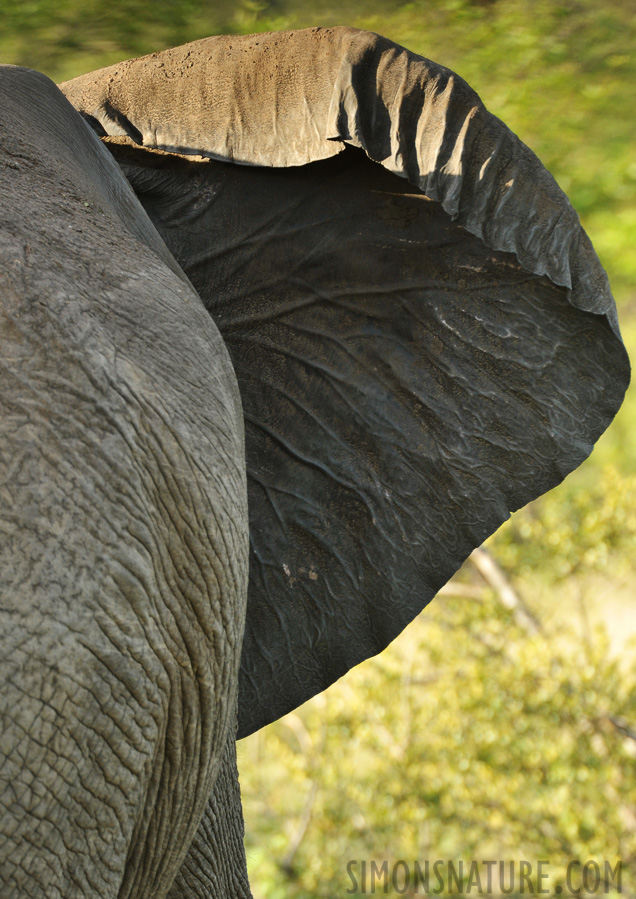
<point x="289" y="325"/>
<point x="124" y="551"/>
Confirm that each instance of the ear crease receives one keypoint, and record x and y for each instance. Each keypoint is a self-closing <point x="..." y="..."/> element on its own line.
<point x="94" y="124"/>
<point x="123" y="126"/>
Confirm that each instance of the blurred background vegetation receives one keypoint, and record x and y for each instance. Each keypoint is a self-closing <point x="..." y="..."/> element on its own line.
<point x="502" y="723"/>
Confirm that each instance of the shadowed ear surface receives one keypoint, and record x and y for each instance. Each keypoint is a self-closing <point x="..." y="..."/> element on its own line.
<point x="407" y="379"/>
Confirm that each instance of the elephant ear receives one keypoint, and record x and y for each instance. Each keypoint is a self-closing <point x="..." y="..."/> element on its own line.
<point x="422" y="345"/>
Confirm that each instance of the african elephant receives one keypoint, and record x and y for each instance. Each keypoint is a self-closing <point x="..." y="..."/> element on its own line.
<point x="305" y="274"/>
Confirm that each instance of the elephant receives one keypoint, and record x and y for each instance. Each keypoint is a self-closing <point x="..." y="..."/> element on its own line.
<point x="290" y="324"/>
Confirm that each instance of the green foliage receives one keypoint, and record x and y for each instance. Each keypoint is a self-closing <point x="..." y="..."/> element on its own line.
<point x="571" y="530"/>
<point x="467" y="739"/>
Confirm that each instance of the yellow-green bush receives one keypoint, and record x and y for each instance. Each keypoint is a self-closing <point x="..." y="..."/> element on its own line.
<point x="467" y="739"/>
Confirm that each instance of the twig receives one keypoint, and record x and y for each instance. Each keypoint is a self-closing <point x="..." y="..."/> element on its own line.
<point x="497" y="580"/>
<point x="454" y="588"/>
<point x="287" y="864"/>
<point x="622" y="727"/>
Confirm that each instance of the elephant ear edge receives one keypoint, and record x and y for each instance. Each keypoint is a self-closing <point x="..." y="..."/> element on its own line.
<point x="336" y="86"/>
<point x="424" y="368"/>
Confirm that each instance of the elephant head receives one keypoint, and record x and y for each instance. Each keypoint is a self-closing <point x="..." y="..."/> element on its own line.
<point x="306" y="275"/>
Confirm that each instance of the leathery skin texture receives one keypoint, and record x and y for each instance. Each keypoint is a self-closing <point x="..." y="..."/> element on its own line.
<point x="123" y="523"/>
<point x="215" y="863"/>
<point x="423" y="336"/>
<point x="403" y="388"/>
<point x="381" y="331"/>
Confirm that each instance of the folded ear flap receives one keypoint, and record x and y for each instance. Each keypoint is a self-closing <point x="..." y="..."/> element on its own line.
<point x="411" y="371"/>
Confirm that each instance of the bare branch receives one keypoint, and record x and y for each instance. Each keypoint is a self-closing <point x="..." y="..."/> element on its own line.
<point x="497" y="580"/>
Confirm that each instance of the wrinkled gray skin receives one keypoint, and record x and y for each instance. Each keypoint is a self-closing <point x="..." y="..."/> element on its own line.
<point x="390" y="423"/>
<point x="124" y="531"/>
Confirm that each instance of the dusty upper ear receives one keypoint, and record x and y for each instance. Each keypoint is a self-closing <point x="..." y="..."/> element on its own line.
<point x="411" y="371"/>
